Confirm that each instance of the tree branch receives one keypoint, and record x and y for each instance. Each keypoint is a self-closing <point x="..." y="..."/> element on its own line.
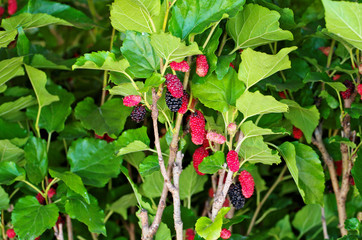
<point x="69" y="227"/>
<point x="177" y="169"/>
<point x="324" y="224"/>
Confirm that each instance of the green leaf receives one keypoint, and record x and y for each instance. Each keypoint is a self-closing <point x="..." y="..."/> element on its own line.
<point x="136" y="146"/>
<point x="23" y="45"/>
<point x="31" y="219"/>
<point x="10" y="68"/>
<point x="251" y="104"/>
<point x="101" y="60"/>
<point x="249" y="129"/>
<point x="28" y="20"/>
<point x="352" y="224"/>
<point x="223" y="65"/>
<point x="219" y="94"/>
<point x="163" y="232"/>
<point x="40" y="61"/>
<point x="208" y="229"/>
<point x="306" y="119"/>
<point x="10" y="172"/>
<point x="255" y="150"/>
<point x="356" y="171"/>
<point x="307" y="218"/>
<point x="38" y="80"/>
<point x="256" y="26"/>
<point x="194" y="17"/>
<point x="109" y="118"/>
<point x="122" y="204"/>
<point x="256" y="66"/>
<point x="188" y="217"/>
<point x="73" y="181"/>
<point x="4" y="199"/>
<point x="213" y="163"/>
<point x="153" y="185"/>
<point x="344" y="20"/>
<point x="53" y="116"/>
<point x="191" y="182"/>
<point x="138" y="51"/>
<point x="136" y="15"/>
<point x="282" y="229"/>
<point x="171" y="48"/>
<point x="235" y="220"/>
<point x="153" y="82"/>
<point x="36" y="159"/>
<point x="149" y="165"/>
<point x="9" y="108"/>
<point x="7" y="37"/>
<point x="306" y="169"/>
<point x="89" y="214"/>
<point x="94" y="161"/>
<point x="133" y="140"/>
<point x="10" y="152"/>
<point x="339" y="139"/>
<point x="125" y="89"/>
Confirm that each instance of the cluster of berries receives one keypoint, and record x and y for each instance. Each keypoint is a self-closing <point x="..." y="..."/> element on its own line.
<point x="239" y="192"/>
<point x="176" y="98"/>
<point x="139" y="112"/>
<point x="12" y="7"/>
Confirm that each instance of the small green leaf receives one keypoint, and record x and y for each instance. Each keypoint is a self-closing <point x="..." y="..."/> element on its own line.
<point x="352" y="224"/>
<point x="153" y="82"/>
<point x="125" y="89"/>
<point x="4" y="199"/>
<point x="36" y="159"/>
<point x="7" y="37"/>
<point x="356" y="171"/>
<point x="249" y="129"/>
<point x="306" y="119"/>
<point x="94" y="161"/>
<point x="235" y="220"/>
<point x="136" y="146"/>
<point x="73" y="181"/>
<point x="149" y="165"/>
<point x="122" y="204"/>
<point x="339" y="139"/>
<point x="307" y="218"/>
<point x="213" y="163"/>
<point x="9" y="130"/>
<point x="31" y="219"/>
<point x="282" y="229"/>
<point x="153" y="185"/>
<point x="10" y="172"/>
<point x="191" y="182"/>
<point x="223" y="65"/>
<point x="10" y="152"/>
<point x="10" y="68"/>
<point x="255" y="26"/>
<point x="171" y="48"/>
<point x="208" y="229"/>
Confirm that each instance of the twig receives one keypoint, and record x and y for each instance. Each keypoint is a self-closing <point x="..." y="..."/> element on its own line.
<point x="324" y="224"/>
<point x="69" y="227"/>
<point x="177" y="169"/>
<point x="105" y="75"/>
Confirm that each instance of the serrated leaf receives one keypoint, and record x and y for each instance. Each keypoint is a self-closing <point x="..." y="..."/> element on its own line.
<point x="73" y="181"/>
<point x="36" y="159"/>
<point x="4" y="199"/>
<point x="10" y="152"/>
<point x="10" y="172"/>
<point x="251" y="104"/>
<point x="135" y="15"/>
<point x="122" y="204"/>
<point x="344" y="19"/>
<point x="10" y="68"/>
<point x="31" y="219"/>
<point x="193" y="17"/>
<point x="306" y="119"/>
<point x="153" y="185"/>
<point x="219" y="94"/>
<point x="109" y="118"/>
<point x="138" y="51"/>
<point x="89" y="214"/>
<point x="208" y="229"/>
<point x="256" y="66"/>
<point x="94" y="161"/>
<point x="191" y="182"/>
<point x="149" y="165"/>
<point x="171" y="48"/>
<point x="101" y="60"/>
<point x="213" y="163"/>
<point x="7" y="37"/>
<point x="255" y="26"/>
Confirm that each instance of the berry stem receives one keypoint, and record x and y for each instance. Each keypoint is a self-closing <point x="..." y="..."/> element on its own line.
<point x="33" y="187"/>
<point x="105" y="75"/>
<point x="210" y="34"/>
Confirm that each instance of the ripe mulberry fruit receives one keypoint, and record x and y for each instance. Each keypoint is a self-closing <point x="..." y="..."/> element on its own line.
<point x="2" y="11"/>
<point x="198" y="156"/>
<point x="232" y="159"/>
<point x="247" y="183"/>
<point x="174" y="85"/>
<point x="181" y="66"/>
<point x="12" y="7"/>
<point x="131" y="100"/>
<point x="359" y="90"/>
<point x="185" y="103"/>
<point x="237" y="199"/>
<point x="225" y="234"/>
<point x="202" y="67"/>
<point x="190" y="234"/>
<point x="51" y="192"/>
<point x="138" y="114"/>
<point x="11" y="233"/>
<point x="336" y="77"/>
<point x="297" y="133"/>
<point x="350" y="88"/>
<point x="174" y="104"/>
<point x="215" y="137"/>
<point x="197" y="127"/>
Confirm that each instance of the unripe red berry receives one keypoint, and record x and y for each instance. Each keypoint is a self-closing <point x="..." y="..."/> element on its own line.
<point x="215" y="137"/>
<point x="132" y="100"/>
<point x="12" y="6"/>
<point x="198" y="156"/>
<point x="174" y="85"/>
<point x="181" y="66"/>
<point x="2" y="11"/>
<point x="297" y="133"/>
<point x="202" y="67"/>
<point x="282" y="95"/>
<point x="40" y="198"/>
<point x="325" y="50"/>
<point x="197" y="127"/>
<point x="185" y="103"/>
<point x="10" y="233"/>
<point x="350" y="88"/>
<point x="359" y="90"/>
<point x="247" y="183"/>
<point x="336" y="77"/>
<point x="225" y="234"/>
<point x="190" y="234"/>
<point x="232" y="159"/>
<point x="232" y="128"/>
<point x="51" y="192"/>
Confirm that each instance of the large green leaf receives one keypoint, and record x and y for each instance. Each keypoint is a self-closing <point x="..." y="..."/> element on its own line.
<point x="344" y="19"/>
<point x="307" y="218"/>
<point x="10" y="68"/>
<point x="219" y="94"/>
<point x="251" y="104"/>
<point x="256" y="66"/>
<point x="306" y="170"/>
<point x="255" y="150"/>
<point x="31" y="219"/>
<point x="153" y="185"/>
<point x="208" y="229"/>
<point x="193" y="17"/>
<point x="133" y="140"/>
<point x="136" y="15"/>
<point x="88" y="213"/>
<point x="28" y="20"/>
<point x="9" y="108"/>
<point x="191" y="182"/>
<point x="249" y="129"/>
<point x="356" y="171"/>
<point x="38" y="79"/>
<point x="213" y="163"/>
<point x="53" y="116"/>
<point x="10" y="152"/>
<point x="109" y="118"/>
<point x="255" y="26"/>
<point x="171" y="48"/>
<point x="306" y="119"/>
<point x="138" y="51"/>
<point x="73" y="181"/>
<point x="7" y="37"/>
<point x="4" y="199"/>
<point x="36" y="159"/>
<point x="94" y="161"/>
<point x="10" y="172"/>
